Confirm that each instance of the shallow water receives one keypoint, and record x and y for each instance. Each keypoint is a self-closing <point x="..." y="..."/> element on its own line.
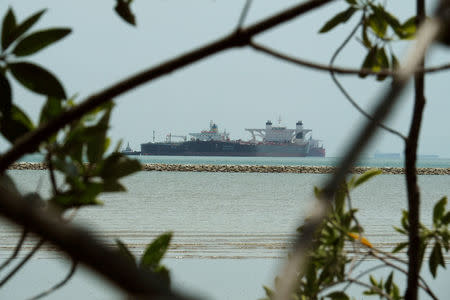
<point x="228" y="227"/>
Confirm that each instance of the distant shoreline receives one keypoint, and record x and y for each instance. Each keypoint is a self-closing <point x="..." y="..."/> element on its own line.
<point x="250" y="168"/>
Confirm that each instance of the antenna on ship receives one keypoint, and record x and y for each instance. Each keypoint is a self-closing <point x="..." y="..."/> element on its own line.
<point x="279" y="120"/>
<point x="153" y="136"/>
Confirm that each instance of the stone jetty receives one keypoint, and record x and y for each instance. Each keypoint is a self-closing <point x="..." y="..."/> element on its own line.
<point x="251" y="169"/>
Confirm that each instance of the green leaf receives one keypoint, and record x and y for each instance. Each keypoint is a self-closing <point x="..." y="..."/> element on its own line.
<point x="351" y="2"/>
<point x="402" y="231"/>
<point x="400" y="247"/>
<point x="113" y="186"/>
<point x="124" y="251"/>
<point x="5" y="96"/>
<point x="388" y="283"/>
<point x="377" y="24"/>
<point x="123" y="9"/>
<point x="366" y="176"/>
<point x="16" y="125"/>
<point x="338" y="296"/>
<point x="268" y="291"/>
<point x="117" y="165"/>
<point x="37" y="79"/>
<point x="164" y="274"/>
<point x="394" y="62"/>
<point x="409" y="28"/>
<point x="383" y="62"/>
<point x="96" y="138"/>
<point x="365" y="38"/>
<point x="439" y="210"/>
<point x="8" y="27"/>
<point x="341" y="17"/>
<point x="446" y="218"/>
<point x="436" y="259"/>
<point x="369" y="61"/>
<point x="155" y="251"/>
<point x="27" y="24"/>
<point x="39" y="40"/>
<point x="50" y="110"/>
<point x="373" y="280"/>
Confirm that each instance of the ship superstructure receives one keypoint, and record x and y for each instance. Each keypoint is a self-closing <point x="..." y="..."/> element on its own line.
<point x="277" y="141"/>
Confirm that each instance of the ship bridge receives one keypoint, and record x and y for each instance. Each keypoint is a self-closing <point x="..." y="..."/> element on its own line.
<point x="212" y="134"/>
<point x="280" y="134"/>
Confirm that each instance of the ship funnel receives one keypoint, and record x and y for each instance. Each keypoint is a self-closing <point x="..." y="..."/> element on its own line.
<point x="299" y="125"/>
<point x="268" y="124"/>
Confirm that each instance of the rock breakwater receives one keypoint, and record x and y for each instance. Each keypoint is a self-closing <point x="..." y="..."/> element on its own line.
<point x="251" y="169"/>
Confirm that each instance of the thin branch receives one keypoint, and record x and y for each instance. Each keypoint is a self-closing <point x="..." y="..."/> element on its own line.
<point x="23" y="262"/>
<point x="344" y="91"/>
<point x="16" y="250"/>
<point x="60" y="284"/>
<point x="422" y="284"/>
<point x="30" y="141"/>
<point x="370" y="270"/>
<point x="244" y="13"/>
<point x="338" y="70"/>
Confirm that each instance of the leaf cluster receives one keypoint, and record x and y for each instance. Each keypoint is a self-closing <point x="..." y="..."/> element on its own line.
<point x="17" y="43"/>
<point x="389" y="287"/>
<point x="438" y="236"/>
<point x="328" y="262"/>
<point x="152" y="256"/>
<point x="379" y="29"/>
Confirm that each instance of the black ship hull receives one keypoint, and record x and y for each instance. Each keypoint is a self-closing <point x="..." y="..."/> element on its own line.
<point x="229" y="148"/>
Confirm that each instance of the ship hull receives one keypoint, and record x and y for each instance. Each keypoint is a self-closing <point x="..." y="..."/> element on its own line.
<point x="219" y="148"/>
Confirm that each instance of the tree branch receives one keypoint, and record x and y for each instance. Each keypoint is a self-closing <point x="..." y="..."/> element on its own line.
<point x="413" y="191"/>
<point x="338" y="70"/>
<point x="16" y="250"/>
<point x="30" y="142"/>
<point x="60" y="284"/>
<point x="22" y="263"/>
<point x="244" y="13"/>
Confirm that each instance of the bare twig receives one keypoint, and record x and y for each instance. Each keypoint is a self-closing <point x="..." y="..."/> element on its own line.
<point x="244" y="13"/>
<point x="30" y="141"/>
<point x="344" y="91"/>
<point x="60" y="284"/>
<point x="23" y="262"/>
<point x="338" y="70"/>
<point x="16" y="250"/>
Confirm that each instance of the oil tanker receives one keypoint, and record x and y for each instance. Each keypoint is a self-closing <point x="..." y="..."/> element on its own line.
<point x="271" y="141"/>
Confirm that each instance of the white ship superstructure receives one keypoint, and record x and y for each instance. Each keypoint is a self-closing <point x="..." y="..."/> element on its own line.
<point x="212" y="134"/>
<point x="281" y="134"/>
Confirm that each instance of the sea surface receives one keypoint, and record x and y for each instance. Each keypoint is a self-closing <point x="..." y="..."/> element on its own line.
<point x="232" y="231"/>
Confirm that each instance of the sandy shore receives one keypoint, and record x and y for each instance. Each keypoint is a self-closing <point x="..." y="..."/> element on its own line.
<point x="251" y="169"/>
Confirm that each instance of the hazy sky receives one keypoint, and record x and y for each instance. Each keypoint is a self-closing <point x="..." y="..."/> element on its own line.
<point x="239" y="88"/>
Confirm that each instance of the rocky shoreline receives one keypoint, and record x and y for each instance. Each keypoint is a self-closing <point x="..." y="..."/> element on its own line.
<point x="251" y="169"/>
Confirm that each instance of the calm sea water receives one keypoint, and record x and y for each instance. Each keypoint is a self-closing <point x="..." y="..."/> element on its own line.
<point x="231" y="230"/>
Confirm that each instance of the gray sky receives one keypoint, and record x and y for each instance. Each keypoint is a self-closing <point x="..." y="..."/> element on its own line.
<point x="237" y="89"/>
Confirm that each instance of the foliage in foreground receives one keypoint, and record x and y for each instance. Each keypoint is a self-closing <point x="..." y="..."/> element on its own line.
<point x="331" y="267"/>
